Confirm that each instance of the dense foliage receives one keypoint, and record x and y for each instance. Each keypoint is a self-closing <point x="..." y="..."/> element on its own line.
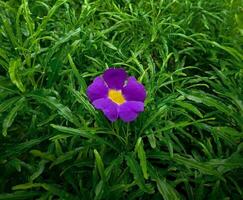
<point x="188" y="142"/>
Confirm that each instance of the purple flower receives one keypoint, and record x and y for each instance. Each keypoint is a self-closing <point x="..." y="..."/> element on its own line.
<point x="117" y="95"/>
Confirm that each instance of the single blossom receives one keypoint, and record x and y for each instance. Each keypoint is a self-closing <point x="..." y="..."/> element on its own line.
<point x="117" y="95"/>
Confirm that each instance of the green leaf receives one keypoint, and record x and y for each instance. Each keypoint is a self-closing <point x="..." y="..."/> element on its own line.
<point x="27" y="16"/>
<point x="232" y="51"/>
<point x="110" y="45"/>
<point x="190" y="107"/>
<point x="137" y="173"/>
<point x="9" y="31"/>
<point x="39" y="170"/>
<point x="21" y="147"/>
<point x="51" y="12"/>
<point x="85" y="134"/>
<point x="204" y="167"/>
<point x="7" y="122"/>
<point x="209" y="100"/>
<point x="53" y="189"/>
<point x="19" y="195"/>
<point x="16" y="163"/>
<point x="83" y="100"/>
<point x="154" y="116"/>
<point x="139" y="148"/>
<point x="81" y="81"/>
<point x="13" y="71"/>
<point x="52" y="102"/>
<point x="8" y="103"/>
<point x="4" y="54"/>
<point x="166" y="190"/>
<point x="228" y="134"/>
<point x="99" y="190"/>
<point x="152" y="140"/>
<point x="62" y="40"/>
<point x="42" y="155"/>
<point x="100" y="165"/>
<point x="66" y="156"/>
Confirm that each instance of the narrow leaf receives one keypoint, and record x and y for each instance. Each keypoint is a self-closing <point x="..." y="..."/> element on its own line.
<point x="142" y="156"/>
<point x="11" y="115"/>
<point x="100" y="165"/>
<point x="14" y="66"/>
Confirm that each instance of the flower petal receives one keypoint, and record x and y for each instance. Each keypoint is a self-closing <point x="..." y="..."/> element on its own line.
<point x="115" y="78"/>
<point x="97" y="89"/>
<point x="109" y="108"/>
<point x="134" y="91"/>
<point x="129" y="110"/>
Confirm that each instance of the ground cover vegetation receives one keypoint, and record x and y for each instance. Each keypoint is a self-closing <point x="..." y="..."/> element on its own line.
<point x="187" y="144"/>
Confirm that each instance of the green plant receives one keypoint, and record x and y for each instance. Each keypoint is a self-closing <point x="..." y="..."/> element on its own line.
<point x="188" y="142"/>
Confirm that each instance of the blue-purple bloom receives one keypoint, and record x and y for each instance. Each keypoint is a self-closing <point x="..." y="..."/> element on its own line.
<point x="117" y="95"/>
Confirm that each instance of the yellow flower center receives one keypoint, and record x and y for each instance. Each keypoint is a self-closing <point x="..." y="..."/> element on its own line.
<point x="116" y="96"/>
